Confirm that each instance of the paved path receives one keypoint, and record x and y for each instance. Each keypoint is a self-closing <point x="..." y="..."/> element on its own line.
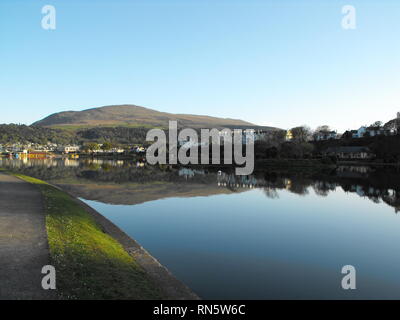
<point x="23" y="240"/>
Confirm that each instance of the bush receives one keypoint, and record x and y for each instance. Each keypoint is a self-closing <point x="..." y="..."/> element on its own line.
<point x="328" y="160"/>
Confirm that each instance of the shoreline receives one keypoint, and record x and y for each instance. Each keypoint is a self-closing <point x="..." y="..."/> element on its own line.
<point x="163" y="280"/>
<point x="282" y="162"/>
<point x="169" y="284"/>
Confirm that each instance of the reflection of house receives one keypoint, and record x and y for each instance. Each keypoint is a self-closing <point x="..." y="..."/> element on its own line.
<point x="71" y="163"/>
<point x="234" y="181"/>
<point x="190" y="173"/>
<point x="355" y="169"/>
<point x="38" y="155"/>
<point x="349" y="152"/>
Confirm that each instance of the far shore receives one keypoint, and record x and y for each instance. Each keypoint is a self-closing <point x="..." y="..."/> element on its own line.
<point x="259" y="162"/>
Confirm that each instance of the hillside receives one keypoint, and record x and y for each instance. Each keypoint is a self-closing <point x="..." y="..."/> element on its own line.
<point x="14" y="133"/>
<point x="133" y="116"/>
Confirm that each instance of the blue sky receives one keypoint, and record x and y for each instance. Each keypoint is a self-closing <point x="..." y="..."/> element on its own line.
<point x="279" y="63"/>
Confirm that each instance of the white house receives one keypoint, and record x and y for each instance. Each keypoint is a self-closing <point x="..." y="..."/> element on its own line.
<point x="375" y="131"/>
<point x="256" y="135"/>
<point x="139" y="149"/>
<point x="349" y="152"/>
<point x="68" y="149"/>
<point x="117" y="150"/>
<point x="325" y="135"/>
<point x="359" y="133"/>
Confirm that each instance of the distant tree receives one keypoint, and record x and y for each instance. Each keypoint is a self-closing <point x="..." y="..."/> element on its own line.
<point x="92" y="146"/>
<point x="260" y="148"/>
<point x="278" y="137"/>
<point x="107" y="146"/>
<point x="347" y="135"/>
<point x="377" y="124"/>
<point x="296" y="150"/>
<point x="392" y="124"/>
<point x="13" y="133"/>
<point x="301" y="134"/>
<point x="323" y="128"/>
<point x="272" y="152"/>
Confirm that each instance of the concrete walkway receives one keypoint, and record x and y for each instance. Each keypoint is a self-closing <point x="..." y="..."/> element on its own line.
<point x="23" y="240"/>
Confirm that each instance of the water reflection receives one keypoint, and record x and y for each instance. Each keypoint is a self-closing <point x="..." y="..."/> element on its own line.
<point x="275" y="234"/>
<point x="375" y="184"/>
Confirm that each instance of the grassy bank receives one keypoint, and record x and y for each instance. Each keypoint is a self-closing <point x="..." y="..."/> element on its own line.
<point x="90" y="264"/>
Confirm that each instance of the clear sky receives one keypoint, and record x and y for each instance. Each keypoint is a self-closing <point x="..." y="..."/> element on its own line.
<point x="279" y="63"/>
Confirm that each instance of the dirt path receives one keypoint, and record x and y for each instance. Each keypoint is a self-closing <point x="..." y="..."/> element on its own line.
<point x="23" y="240"/>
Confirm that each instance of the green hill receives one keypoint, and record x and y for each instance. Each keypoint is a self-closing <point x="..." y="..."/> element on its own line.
<point x="133" y="116"/>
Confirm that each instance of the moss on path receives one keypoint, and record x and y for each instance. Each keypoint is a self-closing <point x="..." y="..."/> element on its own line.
<point x="90" y="264"/>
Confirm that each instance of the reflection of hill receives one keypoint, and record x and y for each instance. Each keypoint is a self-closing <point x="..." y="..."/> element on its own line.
<point x="126" y="183"/>
<point x="139" y="193"/>
<point x="123" y="183"/>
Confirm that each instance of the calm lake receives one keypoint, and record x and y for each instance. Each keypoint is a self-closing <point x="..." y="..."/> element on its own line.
<point x="277" y="234"/>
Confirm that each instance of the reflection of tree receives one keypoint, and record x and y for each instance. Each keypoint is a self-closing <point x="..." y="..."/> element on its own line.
<point x="298" y="188"/>
<point x="374" y="199"/>
<point x="322" y="188"/>
<point x="106" y="172"/>
<point x="271" y="193"/>
<point x="393" y="199"/>
<point x="376" y="185"/>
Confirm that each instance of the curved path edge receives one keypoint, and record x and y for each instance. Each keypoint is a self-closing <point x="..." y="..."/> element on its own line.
<point x="172" y="288"/>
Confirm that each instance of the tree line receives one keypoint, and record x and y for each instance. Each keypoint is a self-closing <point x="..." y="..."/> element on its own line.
<point x="19" y="133"/>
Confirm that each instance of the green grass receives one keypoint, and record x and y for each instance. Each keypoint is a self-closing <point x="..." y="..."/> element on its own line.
<point x="89" y="263"/>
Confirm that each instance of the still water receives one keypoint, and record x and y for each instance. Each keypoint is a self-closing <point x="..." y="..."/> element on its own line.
<point x="272" y="235"/>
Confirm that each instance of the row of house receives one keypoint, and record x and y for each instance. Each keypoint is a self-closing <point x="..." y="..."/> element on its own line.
<point x="135" y="149"/>
<point x="248" y="135"/>
<point x="30" y="150"/>
<point x="375" y="130"/>
<point x="25" y="148"/>
<point x="363" y="131"/>
<point x="371" y="131"/>
<point x="349" y="153"/>
<point x="325" y="135"/>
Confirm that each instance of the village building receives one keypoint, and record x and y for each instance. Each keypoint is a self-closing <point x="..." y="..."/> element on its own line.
<point x="68" y="149"/>
<point x="325" y="135"/>
<point x="117" y="150"/>
<point x="349" y="152"/>
<point x="359" y="133"/>
<point x="289" y="135"/>
<point x="373" y="131"/>
<point x="39" y="155"/>
<point x="253" y="134"/>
